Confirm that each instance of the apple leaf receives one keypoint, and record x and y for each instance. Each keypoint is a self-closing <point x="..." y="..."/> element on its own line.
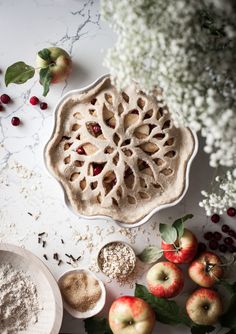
<point x="45" y="54"/>
<point x="18" y="73"/>
<point x="96" y="325"/>
<point x="200" y="329"/>
<point x="179" y="224"/>
<point x="150" y="254"/>
<point x="45" y="79"/>
<point x="167" y="311"/>
<point x="168" y="233"/>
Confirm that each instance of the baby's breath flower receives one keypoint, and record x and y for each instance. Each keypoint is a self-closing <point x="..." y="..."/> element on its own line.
<point x="187" y="48"/>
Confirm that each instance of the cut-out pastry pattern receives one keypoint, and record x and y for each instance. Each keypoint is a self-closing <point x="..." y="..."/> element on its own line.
<point x="118" y="154"/>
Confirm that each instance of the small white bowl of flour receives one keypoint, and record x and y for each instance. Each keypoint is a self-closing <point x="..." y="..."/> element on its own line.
<point x="30" y="300"/>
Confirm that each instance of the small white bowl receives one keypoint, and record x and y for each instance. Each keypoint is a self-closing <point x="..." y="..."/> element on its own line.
<point x="98" y="307"/>
<point x="50" y="317"/>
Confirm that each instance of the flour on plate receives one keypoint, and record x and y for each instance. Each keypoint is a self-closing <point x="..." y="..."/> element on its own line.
<point x="19" y="305"/>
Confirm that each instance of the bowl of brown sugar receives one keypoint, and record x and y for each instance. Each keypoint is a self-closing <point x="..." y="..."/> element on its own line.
<point x="84" y="295"/>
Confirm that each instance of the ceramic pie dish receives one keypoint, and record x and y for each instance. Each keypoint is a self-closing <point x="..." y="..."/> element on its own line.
<point x="117" y="154"/>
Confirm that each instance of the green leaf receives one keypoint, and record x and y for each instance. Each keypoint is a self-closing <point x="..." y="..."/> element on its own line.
<point x="179" y="224"/>
<point x="168" y="233"/>
<point x="45" y="54"/>
<point x="167" y="311"/>
<point x="150" y="254"/>
<point x="45" y="79"/>
<point x="228" y="319"/>
<point x="18" y="73"/>
<point x="197" y="329"/>
<point x="96" y="325"/>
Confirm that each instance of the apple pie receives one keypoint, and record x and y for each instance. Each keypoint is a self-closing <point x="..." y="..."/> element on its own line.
<point x="118" y="153"/>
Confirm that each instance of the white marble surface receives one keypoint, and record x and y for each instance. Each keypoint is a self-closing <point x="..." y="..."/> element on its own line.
<point x="27" y="26"/>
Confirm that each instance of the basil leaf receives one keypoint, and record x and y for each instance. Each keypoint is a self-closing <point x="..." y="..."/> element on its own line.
<point x="45" y="54"/>
<point x="168" y="233"/>
<point x="167" y="311"/>
<point x="96" y="325"/>
<point x="200" y="329"/>
<point x="45" y="79"/>
<point x="18" y="73"/>
<point x="150" y="254"/>
<point x="179" y="224"/>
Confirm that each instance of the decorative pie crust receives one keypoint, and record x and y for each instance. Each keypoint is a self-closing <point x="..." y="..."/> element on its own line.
<point x="118" y="154"/>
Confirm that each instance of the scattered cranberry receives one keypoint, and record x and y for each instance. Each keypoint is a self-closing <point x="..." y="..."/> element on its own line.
<point x="43" y="105"/>
<point x="96" y="129"/>
<point x="34" y="100"/>
<point x="217" y="235"/>
<point x="5" y="98"/>
<point x="80" y="150"/>
<point x="225" y="228"/>
<point x="215" y="218"/>
<point x="228" y="241"/>
<point x="15" y="121"/>
<point x="213" y="244"/>
<point x="231" y="212"/>
<point x="232" y="249"/>
<point x="232" y="233"/>
<point x="1" y="107"/>
<point x="223" y="248"/>
<point x="97" y="170"/>
<point x="201" y="247"/>
<point x="208" y="235"/>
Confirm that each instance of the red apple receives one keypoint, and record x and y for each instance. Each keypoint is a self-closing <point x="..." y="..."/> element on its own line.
<point x="131" y="315"/>
<point x="165" y="280"/>
<point x="206" y="270"/>
<point x="184" y="249"/>
<point x="204" y="306"/>
<point x="59" y="62"/>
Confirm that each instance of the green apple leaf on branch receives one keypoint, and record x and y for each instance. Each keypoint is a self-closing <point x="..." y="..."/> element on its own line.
<point x="19" y="73"/>
<point x="96" y="325"/>
<point x="150" y="254"/>
<point x="45" y="79"/>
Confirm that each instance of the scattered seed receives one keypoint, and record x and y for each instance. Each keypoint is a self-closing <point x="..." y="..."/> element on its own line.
<point x="79" y="257"/>
<point x="59" y="262"/>
<point x="45" y="256"/>
<point x="41" y="234"/>
<point x="55" y="256"/>
<point x="62" y="241"/>
<point x="68" y="256"/>
<point x="44" y="243"/>
<point x="39" y="240"/>
<point x="29" y="213"/>
<point x="69" y="263"/>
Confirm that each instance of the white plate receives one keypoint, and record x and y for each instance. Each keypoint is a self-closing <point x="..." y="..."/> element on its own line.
<point x="151" y="213"/>
<point x="50" y="317"/>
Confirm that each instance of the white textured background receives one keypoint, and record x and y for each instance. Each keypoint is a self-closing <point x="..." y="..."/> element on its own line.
<point x="27" y="26"/>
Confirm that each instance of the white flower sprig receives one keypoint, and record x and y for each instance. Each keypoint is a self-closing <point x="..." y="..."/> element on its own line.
<point x="188" y="49"/>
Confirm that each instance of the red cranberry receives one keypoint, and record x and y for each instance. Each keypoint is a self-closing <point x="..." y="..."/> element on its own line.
<point x="80" y="150"/>
<point x="232" y="249"/>
<point x="1" y="107"/>
<point x="223" y="248"/>
<point x="217" y="235"/>
<point x="15" y="121"/>
<point x="215" y="218"/>
<point x="201" y="247"/>
<point x="213" y="244"/>
<point x="225" y="228"/>
<point x="96" y="129"/>
<point x="43" y="105"/>
<point x="231" y="233"/>
<point x="208" y="235"/>
<point x="97" y="170"/>
<point x="228" y="241"/>
<point x="34" y="100"/>
<point x="5" y="98"/>
<point x="231" y="212"/>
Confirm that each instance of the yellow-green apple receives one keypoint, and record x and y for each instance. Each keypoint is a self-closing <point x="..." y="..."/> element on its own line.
<point x="165" y="280"/>
<point x="131" y="315"/>
<point x="183" y="250"/>
<point x="204" y="306"/>
<point x="60" y="64"/>
<point x="206" y="269"/>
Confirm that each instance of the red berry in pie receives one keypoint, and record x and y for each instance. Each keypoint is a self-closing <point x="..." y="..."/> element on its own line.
<point x="97" y="170"/>
<point x="96" y="129"/>
<point x="80" y="150"/>
<point x="43" y="105"/>
<point x="15" y="121"/>
<point x="34" y="100"/>
<point x="5" y="98"/>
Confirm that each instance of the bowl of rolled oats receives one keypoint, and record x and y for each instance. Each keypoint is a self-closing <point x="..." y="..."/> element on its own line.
<point x="116" y="260"/>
